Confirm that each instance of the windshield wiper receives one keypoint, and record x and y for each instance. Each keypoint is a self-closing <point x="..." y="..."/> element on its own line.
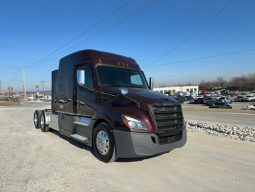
<point x="123" y="85"/>
<point x="114" y="85"/>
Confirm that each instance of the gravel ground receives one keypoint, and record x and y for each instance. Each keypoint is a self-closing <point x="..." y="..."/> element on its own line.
<point x="243" y="133"/>
<point x="31" y="160"/>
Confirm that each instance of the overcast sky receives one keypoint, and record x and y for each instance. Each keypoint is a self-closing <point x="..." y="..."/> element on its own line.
<point x="174" y="41"/>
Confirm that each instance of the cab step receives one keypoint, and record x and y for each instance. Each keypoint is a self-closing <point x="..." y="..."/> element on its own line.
<point x="80" y="138"/>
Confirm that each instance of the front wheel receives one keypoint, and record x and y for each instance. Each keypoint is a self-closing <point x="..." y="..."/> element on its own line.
<point x="103" y="143"/>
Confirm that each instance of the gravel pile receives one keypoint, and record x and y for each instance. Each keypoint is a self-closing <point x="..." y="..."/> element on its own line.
<point x="236" y="132"/>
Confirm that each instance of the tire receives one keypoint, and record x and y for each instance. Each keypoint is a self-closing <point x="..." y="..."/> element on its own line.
<point x="103" y="143"/>
<point x="44" y="127"/>
<point x="36" y="120"/>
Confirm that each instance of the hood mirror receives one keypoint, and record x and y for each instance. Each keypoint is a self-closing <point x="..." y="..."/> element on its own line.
<point x="124" y="90"/>
<point x="81" y="77"/>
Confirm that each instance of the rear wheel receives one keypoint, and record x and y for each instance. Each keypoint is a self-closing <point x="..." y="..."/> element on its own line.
<point x="103" y="143"/>
<point x="36" y="120"/>
<point x="44" y="127"/>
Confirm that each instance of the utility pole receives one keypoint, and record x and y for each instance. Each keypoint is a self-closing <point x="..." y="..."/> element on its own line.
<point x="42" y="82"/>
<point x="24" y="84"/>
<point x="0" y="87"/>
<point x="37" y="88"/>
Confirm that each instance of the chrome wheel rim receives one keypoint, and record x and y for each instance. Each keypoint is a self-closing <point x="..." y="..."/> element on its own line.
<point x="102" y="142"/>
<point x="35" y="119"/>
<point x="42" y="121"/>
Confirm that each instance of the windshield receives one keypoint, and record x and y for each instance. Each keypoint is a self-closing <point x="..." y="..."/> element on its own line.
<point x="115" y="76"/>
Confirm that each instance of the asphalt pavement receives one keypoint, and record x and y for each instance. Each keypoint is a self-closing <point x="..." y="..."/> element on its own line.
<point x="239" y="115"/>
<point x="229" y="118"/>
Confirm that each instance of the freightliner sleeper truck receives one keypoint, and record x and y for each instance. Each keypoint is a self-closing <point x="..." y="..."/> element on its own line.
<point x="104" y="101"/>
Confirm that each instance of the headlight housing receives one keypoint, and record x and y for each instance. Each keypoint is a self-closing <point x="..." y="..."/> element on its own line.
<point x="133" y="123"/>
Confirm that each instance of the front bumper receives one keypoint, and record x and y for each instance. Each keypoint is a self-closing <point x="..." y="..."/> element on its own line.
<point x="131" y="144"/>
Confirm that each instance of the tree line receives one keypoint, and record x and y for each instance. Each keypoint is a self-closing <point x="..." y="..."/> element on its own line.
<point x="239" y="83"/>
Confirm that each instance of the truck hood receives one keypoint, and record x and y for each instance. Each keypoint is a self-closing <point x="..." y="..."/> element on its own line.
<point x="142" y="97"/>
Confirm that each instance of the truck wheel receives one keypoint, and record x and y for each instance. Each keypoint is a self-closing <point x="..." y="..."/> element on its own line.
<point x="103" y="143"/>
<point x="36" y="120"/>
<point x="44" y="127"/>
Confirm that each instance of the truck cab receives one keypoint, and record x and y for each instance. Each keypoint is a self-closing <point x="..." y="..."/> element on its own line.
<point x="104" y="101"/>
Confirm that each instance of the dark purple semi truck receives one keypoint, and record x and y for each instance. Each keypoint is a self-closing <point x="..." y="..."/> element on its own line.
<point x="104" y="101"/>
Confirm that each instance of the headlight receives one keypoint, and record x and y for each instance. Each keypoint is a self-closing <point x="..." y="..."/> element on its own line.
<point x="133" y="123"/>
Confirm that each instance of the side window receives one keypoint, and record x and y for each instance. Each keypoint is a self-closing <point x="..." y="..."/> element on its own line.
<point x="84" y="76"/>
<point x="136" y="79"/>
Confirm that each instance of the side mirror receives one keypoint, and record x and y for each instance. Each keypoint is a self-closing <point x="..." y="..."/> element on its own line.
<point x="81" y="77"/>
<point x="151" y="83"/>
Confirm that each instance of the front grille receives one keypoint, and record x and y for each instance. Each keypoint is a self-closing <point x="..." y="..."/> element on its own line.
<point x="168" y="118"/>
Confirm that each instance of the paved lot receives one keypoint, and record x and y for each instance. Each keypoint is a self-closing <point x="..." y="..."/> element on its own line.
<point x="234" y="116"/>
<point x="34" y="161"/>
<point x="244" y="119"/>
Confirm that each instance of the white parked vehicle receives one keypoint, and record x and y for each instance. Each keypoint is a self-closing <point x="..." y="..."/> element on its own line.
<point x="249" y="98"/>
<point x="251" y="107"/>
<point x="240" y="98"/>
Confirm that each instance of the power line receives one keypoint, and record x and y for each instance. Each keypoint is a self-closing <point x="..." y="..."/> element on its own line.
<point x="72" y="40"/>
<point x="193" y="33"/>
<point x="80" y="34"/>
<point x="113" y="25"/>
<point x="13" y="77"/>
<point x="124" y="19"/>
<point x="205" y="57"/>
<point x="106" y="29"/>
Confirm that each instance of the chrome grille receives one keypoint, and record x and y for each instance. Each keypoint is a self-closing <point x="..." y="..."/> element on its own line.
<point x="168" y="118"/>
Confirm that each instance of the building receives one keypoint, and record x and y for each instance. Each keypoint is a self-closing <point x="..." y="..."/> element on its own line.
<point x="192" y="89"/>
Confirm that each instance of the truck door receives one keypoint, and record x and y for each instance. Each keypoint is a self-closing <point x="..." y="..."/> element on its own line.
<point x="85" y="95"/>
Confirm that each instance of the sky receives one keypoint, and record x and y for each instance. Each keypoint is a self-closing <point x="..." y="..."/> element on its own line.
<point x="173" y="41"/>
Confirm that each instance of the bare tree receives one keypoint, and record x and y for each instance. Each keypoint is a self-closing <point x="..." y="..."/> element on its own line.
<point x="221" y="82"/>
<point x="241" y="83"/>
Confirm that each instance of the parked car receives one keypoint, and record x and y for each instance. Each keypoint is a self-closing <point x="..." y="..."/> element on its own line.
<point x="251" y="107"/>
<point x="249" y="98"/>
<point x="223" y="105"/>
<point x="240" y="98"/>
<point x="209" y="103"/>
<point x="207" y="99"/>
<point x="198" y="100"/>
<point x="225" y="99"/>
<point x="188" y="98"/>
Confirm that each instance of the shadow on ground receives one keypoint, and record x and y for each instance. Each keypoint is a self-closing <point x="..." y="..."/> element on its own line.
<point x="87" y="148"/>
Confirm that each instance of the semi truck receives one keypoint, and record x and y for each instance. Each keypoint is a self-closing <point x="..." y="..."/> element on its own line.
<point x="104" y="101"/>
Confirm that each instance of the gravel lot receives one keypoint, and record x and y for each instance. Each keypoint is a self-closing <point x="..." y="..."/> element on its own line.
<point x="34" y="161"/>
